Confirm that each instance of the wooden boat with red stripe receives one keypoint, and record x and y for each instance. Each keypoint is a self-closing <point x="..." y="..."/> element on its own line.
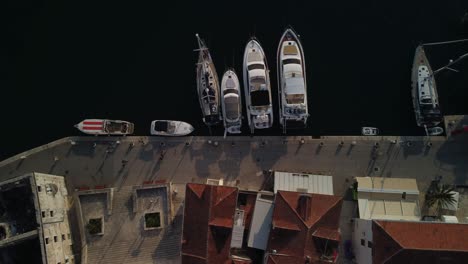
<point x="105" y="127"/>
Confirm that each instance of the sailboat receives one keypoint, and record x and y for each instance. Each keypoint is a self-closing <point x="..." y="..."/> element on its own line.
<point x="231" y="102"/>
<point x="292" y="84"/>
<point x="207" y="85"/>
<point x="424" y="91"/>
<point x="257" y="87"/>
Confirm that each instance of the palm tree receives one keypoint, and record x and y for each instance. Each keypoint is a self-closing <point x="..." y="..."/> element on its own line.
<point x="440" y="196"/>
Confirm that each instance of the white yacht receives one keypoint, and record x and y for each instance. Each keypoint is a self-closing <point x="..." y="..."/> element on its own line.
<point x="231" y="102"/>
<point x="257" y="87"/>
<point x="424" y="91"/>
<point x="207" y="85"/>
<point x="292" y="84"/>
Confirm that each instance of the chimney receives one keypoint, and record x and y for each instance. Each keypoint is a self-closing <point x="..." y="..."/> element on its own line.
<point x="304" y="206"/>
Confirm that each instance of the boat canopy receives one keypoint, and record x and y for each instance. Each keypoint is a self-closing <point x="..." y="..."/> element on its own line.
<point x="161" y="126"/>
<point x="255" y="73"/>
<point x="257" y="83"/>
<point x="425" y="85"/>
<point x="113" y="126"/>
<point x="260" y="98"/>
<point x="292" y="70"/>
<point x="294" y="85"/>
<point x="231" y="102"/>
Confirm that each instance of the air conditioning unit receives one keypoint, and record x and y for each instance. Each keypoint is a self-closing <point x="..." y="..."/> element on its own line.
<point x="215" y="181"/>
<point x="449" y="219"/>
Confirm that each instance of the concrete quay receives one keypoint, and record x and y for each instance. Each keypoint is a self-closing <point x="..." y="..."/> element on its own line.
<point x="122" y="162"/>
<point x="127" y="161"/>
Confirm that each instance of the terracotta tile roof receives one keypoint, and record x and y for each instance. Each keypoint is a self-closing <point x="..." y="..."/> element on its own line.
<point x="327" y="233"/>
<point x="296" y="218"/>
<point x="208" y="220"/>
<point x="422" y="242"/>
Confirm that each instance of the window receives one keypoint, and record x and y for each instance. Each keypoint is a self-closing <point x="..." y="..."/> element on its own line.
<point x="291" y="61"/>
<point x="363" y="242"/>
<point x="153" y="220"/>
<point x="51" y="213"/>
<point x="403" y="196"/>
<point x="47" y="240"/>
<point x="43" y="213"/>
<point x="255" y="67"/>
<point x="39" y="188"/>
<point x="63" y="237"/>
<point x="55" y="238"/>
<point x="369" y="244"/>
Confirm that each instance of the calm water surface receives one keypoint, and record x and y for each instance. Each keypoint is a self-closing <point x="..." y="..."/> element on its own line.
<point x="122" y="60"/>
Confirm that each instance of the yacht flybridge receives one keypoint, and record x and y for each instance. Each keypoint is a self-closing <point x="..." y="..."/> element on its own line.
<point x="207" y="85"/>
<point x="257" y="87"/>
<point x="231" y="102"/>
<point x="292" y="85"/>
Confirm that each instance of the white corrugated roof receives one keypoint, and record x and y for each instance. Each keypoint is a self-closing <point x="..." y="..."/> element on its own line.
<point x="238" y="229"/>
<point x="302" y="182"/>
<point x="261" y="222"/>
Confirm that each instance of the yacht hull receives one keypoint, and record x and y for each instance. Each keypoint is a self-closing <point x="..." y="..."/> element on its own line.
<point x="427" y="115"/>
<point x="292" y="81"/>
<point x="231" y="102"/>
<point x="207" y="85"/>
<point x="257" y="87"/>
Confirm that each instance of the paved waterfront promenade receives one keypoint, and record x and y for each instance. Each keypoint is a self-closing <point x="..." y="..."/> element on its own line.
<point x="126" y="161"/>
<point x="122" y="162"/>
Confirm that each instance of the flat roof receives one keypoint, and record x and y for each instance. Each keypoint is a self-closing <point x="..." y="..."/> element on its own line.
<point x="303" y="182"/>
<point x="389" y="185"/>
<point x="261" y="221"/>
<point x="389" y="209"/>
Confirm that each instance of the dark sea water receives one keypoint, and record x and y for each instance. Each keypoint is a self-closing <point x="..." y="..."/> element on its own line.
<point x="135" y="61"/>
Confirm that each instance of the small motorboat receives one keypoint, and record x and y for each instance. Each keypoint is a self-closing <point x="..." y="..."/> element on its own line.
<point x="231" y="102"/>
<point x="434" y="131"/>
<point x="370" y="131"/>
<point x="170" y="128"/>
<point x="105" y="127"/>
